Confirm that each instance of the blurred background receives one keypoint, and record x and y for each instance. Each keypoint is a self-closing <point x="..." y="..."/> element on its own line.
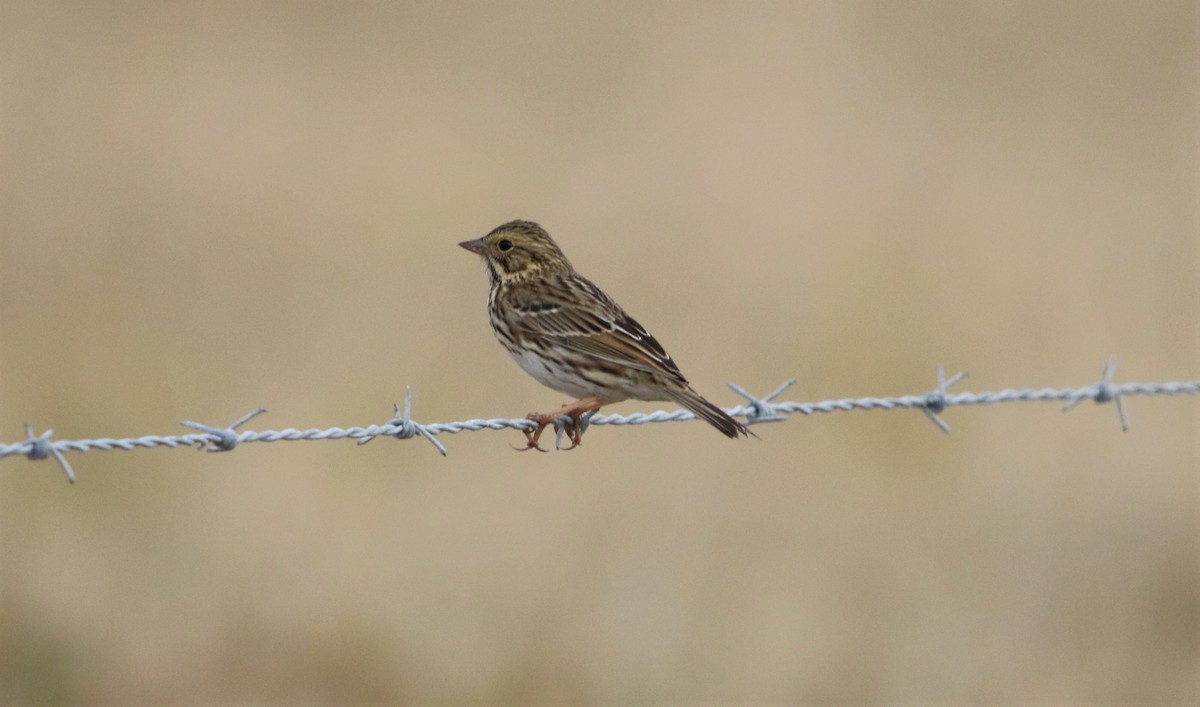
<point x="211" y="207"/>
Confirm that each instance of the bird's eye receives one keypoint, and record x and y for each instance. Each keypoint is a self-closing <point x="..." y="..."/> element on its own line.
<point x="504" y="244"/>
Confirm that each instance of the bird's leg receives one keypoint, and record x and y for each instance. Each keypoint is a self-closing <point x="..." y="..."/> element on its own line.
<point x="531" y="436"/>
<point x="575" y="411"/>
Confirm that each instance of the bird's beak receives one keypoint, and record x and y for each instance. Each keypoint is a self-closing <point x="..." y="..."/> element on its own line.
<point x="476" y="246"/>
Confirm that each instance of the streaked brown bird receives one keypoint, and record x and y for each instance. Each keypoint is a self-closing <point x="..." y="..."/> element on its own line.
<point x="572" y="337"/>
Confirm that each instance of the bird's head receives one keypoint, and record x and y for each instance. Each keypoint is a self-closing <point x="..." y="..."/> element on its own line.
<point x="518" y="250"/>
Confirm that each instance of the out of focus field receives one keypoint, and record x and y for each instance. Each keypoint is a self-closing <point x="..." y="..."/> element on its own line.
<point x="210" y="207"/>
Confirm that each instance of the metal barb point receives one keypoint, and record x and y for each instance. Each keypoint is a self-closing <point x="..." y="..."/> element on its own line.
<point x="761" y="409"/>
<point x="226" y="437"/>
<point x="560" y="426"/>
<point x="41" y="447"/>
<point x="1103" y="392"/>
<point x="935" y="400"/>
<point x="408" y="428"/>
<point x="562" y="423"/>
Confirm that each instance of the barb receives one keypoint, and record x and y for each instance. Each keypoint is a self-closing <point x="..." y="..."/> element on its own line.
<point x="757" y="410"/>
<point x="227" y="438"/>
<point x="41" y="447"/>
<point x="403" y="427"/>
<point x="935" y="400"/>
<point x="760" y="408"/>
<point x="1105" y="391"/>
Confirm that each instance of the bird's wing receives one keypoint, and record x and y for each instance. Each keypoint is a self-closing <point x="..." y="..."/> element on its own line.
<point x="580" y="316"/>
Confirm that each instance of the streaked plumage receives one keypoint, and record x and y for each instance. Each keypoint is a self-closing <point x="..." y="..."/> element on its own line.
<point x="571" y="336"/>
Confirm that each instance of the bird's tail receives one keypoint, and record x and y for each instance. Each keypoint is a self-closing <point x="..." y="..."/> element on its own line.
<point x="710" y="413"/>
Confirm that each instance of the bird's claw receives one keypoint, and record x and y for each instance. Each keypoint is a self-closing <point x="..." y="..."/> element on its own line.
<point x="531" y="438"/>
<point x="574" y="430"/>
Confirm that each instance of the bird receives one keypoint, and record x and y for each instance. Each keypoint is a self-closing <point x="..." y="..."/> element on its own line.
<point x="569" y="335"/>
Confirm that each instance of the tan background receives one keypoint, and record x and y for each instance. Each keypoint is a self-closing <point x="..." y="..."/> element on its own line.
<point x="210" y="207"/>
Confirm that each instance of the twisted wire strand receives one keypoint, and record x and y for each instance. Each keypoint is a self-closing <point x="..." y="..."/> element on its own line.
<point x="757" y="410"/>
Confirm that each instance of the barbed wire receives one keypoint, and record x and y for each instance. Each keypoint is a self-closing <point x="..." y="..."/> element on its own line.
<point x="757" y="410"/>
